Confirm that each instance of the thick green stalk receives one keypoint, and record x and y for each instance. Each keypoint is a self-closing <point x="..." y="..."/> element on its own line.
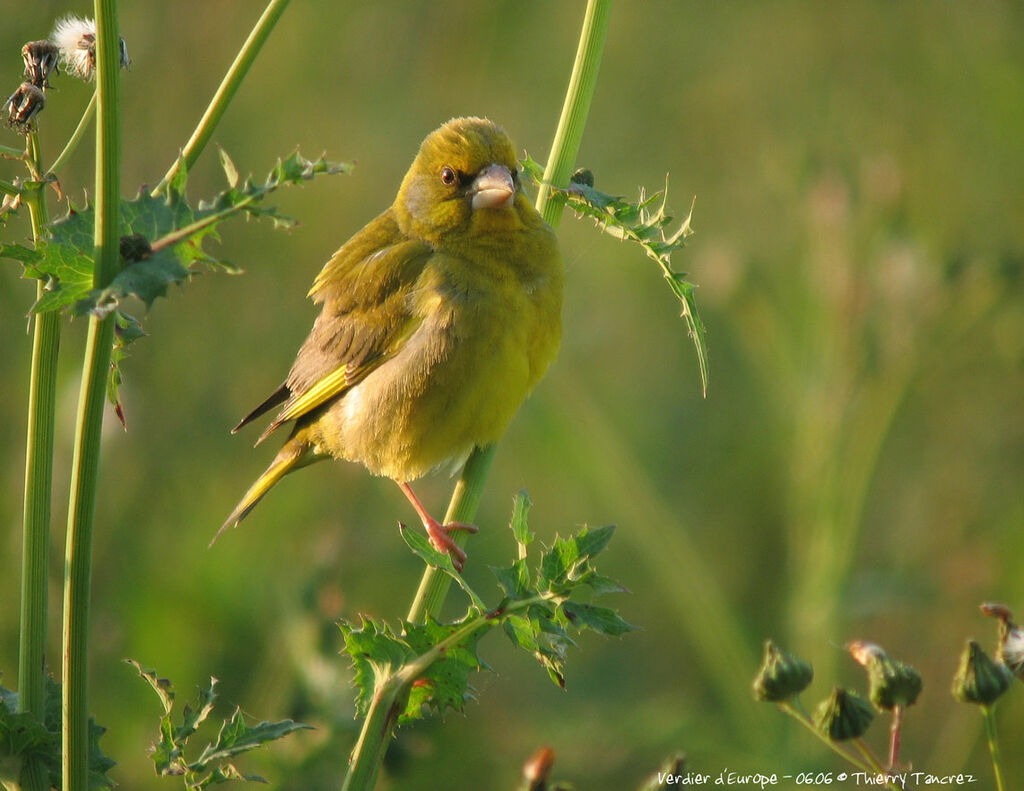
<point x="379" y="724"/>
<point x="85" y="463"/>
<point x="993" y="745"/>
<point x="35" y="558"/>
<point x="226" y="92"/>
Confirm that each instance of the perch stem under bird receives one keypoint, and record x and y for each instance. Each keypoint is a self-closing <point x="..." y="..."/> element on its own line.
<point x="437" y="320"/>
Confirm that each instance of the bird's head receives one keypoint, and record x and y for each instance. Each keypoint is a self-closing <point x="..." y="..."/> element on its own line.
<point x="464" y="179"/>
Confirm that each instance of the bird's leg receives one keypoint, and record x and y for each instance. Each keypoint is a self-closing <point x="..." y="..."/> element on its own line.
<point x="438" y="533"/>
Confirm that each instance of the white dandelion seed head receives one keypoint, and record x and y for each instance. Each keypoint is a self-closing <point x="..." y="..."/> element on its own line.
<point x="1013" y="651"/>
<point x="76" y="39"/>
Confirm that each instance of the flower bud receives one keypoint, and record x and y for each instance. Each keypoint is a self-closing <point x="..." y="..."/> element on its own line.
<point x="843" y="715"/>
<point x="1010" y="650"/>
<point x="781" y="675"/>
<point x="978" y="679"/>
<point x="890" y="683"/>
<point x="25" y="104"/>
<point x="40" y="61"/>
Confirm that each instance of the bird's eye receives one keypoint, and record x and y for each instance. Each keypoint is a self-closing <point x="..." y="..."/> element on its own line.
<point x="448" y="176"/>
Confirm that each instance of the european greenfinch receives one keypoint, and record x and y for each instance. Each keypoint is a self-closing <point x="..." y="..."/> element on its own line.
<point x="438" y="318"/>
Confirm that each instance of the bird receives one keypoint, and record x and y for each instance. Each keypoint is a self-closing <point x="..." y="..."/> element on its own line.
<point x="437" y="320"/>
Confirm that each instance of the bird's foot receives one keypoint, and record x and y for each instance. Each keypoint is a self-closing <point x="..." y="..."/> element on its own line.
<point x="442" y="541"/>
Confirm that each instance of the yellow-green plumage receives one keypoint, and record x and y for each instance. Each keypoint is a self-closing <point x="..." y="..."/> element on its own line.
<point x="437" y="320"/>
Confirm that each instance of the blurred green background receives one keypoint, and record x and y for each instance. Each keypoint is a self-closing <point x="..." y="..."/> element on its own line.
<point x="855" y="471"/>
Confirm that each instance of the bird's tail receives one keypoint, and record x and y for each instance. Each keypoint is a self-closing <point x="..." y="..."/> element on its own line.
<point x="293" y="455"/>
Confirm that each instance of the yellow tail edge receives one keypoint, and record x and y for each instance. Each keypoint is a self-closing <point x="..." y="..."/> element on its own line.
<point x="293" y="455"/>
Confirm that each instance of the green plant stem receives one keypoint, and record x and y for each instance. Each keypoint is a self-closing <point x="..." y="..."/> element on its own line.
<point x="869" y="756"/>
<point x="35" y="559"/>
<point x="380" y="721"/>
<point x="868" y="763"/>
<point x="576" y="108"/>
<point x="76" y="136"/>
<point x="10" y="153"/>
<point x="89" y="424"/>
<point x="8" y="188"/>
<point x="225" y="93"/>
<point x="989" y="716"/>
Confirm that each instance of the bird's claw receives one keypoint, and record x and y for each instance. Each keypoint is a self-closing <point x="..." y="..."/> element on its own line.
<point x="442" y="541"/>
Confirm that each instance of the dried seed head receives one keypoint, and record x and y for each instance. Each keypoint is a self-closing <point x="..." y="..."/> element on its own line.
<point x="76" y="39"/>
<point x="1010" y="650"/>
<point x="781" y="675"/>
<point x="843" y="715"/>
<point x="41" y="59"/>
<point x="890" y="683"/>
<point x="538" y="767"/>
<point x="9" y="204"/>
<point x="978" y="679"/>
<point x="24" y="105"/>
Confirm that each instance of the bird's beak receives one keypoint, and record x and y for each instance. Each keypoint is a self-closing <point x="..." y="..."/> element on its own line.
<point x="493" y="188"/>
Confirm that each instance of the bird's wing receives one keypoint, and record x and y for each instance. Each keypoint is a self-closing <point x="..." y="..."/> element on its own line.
<point x="366" y="317"/>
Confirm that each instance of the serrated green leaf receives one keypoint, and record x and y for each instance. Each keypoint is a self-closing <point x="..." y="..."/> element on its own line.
<point x="161" y="686"/>
<point x="645" y="222"/>
<point x="520" y="528"/>
<point x="376" y="654"/>
<point x="445" y="684"/>
<point x="521" y="631"/>
<point x="236" y="737"/>
<point x="600" y="584"/>
<point x="127" y="330"/>
<point x="193" y="717"/>
<point x="23" y="737"/>
<point x="146" y="280"/>
<point x="590" y="542"/>
<point x="601" y="619"/>
<point x="175" y="231"/>
<point x="19" y="252"/>
<point x="515" y="580"/>
<point x="565" y="563"/>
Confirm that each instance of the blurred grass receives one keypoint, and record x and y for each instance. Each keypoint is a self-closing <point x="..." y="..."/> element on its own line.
<point x="854" y="473"/>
